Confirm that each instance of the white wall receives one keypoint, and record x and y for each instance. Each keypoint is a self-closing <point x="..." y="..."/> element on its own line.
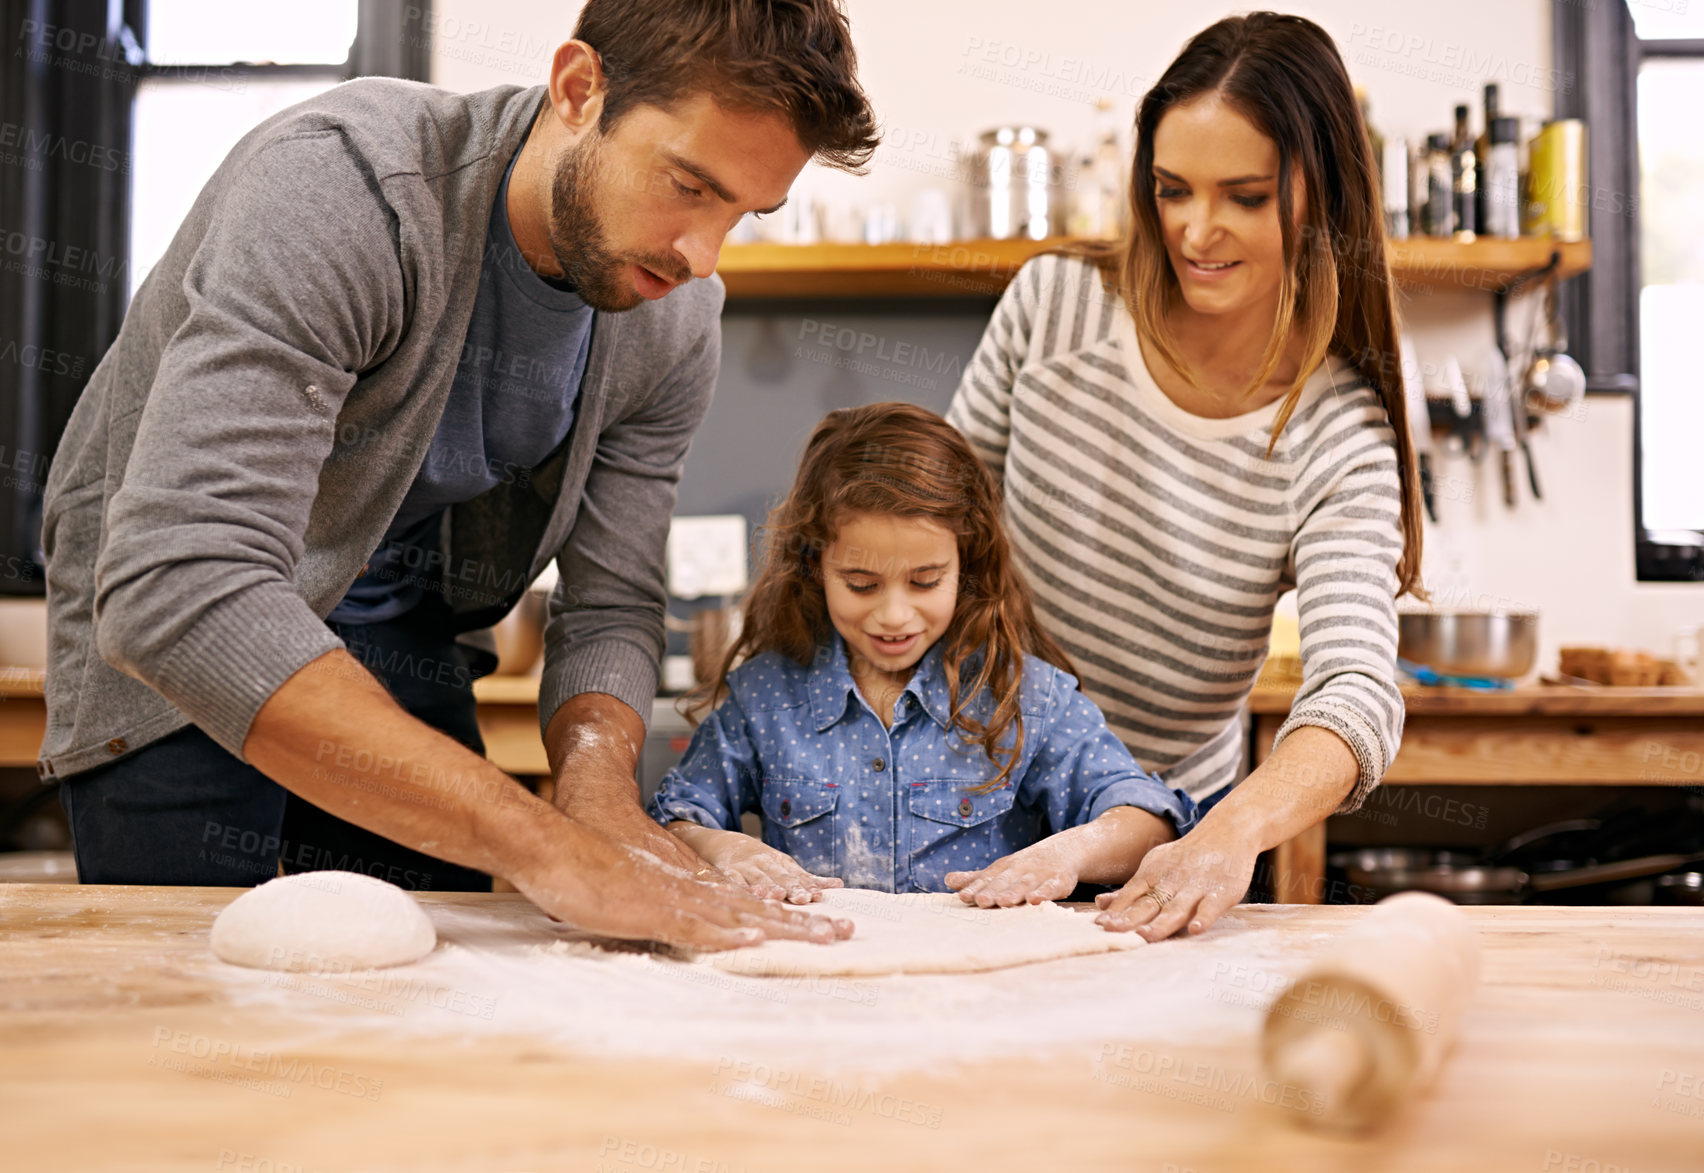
<point x="938" y="71"/>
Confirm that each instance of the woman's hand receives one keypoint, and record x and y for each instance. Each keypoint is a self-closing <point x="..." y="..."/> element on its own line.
<point x="1188" y="882"/>
<point x="1105" y="851"/>
<point x="1194" y="880"/>
<point x="768" y="874"/>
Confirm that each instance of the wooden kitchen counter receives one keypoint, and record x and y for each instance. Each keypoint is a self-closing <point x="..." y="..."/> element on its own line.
<point x="1524" y="701"/>
<point x="125" y="1046"/>
<point x="1531" y="735"/>
<point x="507" y="712"/>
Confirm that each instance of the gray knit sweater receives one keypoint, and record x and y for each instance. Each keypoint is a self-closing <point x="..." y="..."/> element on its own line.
<point x="275" y="386"/>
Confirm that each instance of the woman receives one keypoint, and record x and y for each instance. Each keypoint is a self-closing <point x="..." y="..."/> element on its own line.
<point x="1192" y="421"/>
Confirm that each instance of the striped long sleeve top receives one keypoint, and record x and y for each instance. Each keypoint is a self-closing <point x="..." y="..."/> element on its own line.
<point x="1158" y="542"/>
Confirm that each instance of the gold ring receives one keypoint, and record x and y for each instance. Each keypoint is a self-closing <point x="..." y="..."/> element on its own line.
<point x="1159" y="896"/>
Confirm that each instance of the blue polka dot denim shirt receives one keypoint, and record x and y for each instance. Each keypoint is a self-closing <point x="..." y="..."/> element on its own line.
<point x="894" y="809"/>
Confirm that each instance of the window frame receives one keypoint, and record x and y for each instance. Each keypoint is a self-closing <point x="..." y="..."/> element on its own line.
<point x="1665" y="556"/>
<point x="1598" y="55"/>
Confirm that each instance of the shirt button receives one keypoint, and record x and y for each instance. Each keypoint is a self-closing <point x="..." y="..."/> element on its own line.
<point x="786" y="808"/>
<point x="878" y="765"/>
<point x="117" y="745"/>
<point x="965" y="808"/>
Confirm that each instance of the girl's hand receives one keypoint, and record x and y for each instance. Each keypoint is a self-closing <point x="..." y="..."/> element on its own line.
<point x="1042" y="871"/>
<point x="1191" y="881"/>
<point x="1105" y="851"/>
<point x="768" y="874"/>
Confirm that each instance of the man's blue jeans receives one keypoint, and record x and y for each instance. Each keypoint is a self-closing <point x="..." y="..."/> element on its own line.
<point x="184" y="811"/>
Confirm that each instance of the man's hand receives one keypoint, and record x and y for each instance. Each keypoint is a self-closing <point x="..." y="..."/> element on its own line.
<point x="616" y="890"/>
<point x="593" y="743"/>
<point x="768" y="873"/>
<point x="332" y="735"/>
<point x="601" y="807"/>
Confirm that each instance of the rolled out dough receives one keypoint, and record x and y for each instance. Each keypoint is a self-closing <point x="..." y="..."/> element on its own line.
<point x="319" y="921"/>
<point x="927" y="933"/>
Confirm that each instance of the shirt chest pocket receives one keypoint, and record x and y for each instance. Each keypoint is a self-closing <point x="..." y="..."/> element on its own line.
<point x="954" y="829"/>
<point x="798" y="818"/>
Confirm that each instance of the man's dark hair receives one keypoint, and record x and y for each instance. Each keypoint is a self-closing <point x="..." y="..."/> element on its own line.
<point x="793" y="57"/>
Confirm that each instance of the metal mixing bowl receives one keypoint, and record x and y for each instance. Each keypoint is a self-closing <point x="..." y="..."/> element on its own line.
<point x="1470" y="643"/>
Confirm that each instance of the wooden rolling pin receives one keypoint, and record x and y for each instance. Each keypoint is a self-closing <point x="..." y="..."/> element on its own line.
<point x="1363" y="1031"/>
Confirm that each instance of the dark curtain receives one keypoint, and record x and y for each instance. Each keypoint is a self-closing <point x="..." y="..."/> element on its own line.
<point x="393" y="40"/>
<point x="69" y="74"/>
<point x="1597" y="61"/>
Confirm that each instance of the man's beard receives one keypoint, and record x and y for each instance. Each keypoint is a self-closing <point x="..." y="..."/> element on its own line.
<point x="581" y="246"/>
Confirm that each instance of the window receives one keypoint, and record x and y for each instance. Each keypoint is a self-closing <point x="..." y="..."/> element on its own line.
<point x="213" y="71"/>
<point x="1634" y="73"/>
<point x="1668" y="95"/>
<point x="1671" y="300"/>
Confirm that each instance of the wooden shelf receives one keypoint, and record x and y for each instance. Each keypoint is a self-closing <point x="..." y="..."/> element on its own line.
<point x="1483" y="264"/>
<point x="982" y="268"/>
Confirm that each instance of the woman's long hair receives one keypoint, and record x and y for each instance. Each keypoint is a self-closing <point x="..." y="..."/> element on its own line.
<point x="899" y="459"/>
<point x="1284" y="74"/>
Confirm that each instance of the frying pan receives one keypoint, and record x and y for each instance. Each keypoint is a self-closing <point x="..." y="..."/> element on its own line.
<point x="1399" y="869"/>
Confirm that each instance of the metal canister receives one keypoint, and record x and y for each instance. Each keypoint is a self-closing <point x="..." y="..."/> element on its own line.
<point x="1557" y="194"/>
<point x="1014" y="185"/>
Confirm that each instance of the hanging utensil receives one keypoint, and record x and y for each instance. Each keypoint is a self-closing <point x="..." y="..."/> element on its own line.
<point x="1463" y="434"/>
<point x="1500" y="420"/>
<point x="1517" y="391"/>
<point x="1554" y="382"/>
<point x="1419" y="422"/>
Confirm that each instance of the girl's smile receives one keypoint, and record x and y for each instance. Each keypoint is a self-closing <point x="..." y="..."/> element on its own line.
<point x="891" y="585"/>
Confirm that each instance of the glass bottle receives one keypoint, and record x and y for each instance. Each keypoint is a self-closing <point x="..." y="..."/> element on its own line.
<point x="1440" y="187"/>
<point x="1464" y="176"/>
<point x="1502" y="184"/>
<point x="1482" y="151"/>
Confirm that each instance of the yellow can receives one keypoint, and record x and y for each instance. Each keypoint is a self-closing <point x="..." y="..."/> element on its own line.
<point x="1557" y="194"/>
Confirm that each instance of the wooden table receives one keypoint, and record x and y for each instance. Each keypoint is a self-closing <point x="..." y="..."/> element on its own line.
<point x="1583" y="1050"/>
<point x="1534" y="735"/>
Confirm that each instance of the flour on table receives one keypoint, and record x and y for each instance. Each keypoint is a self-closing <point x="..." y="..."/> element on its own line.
<point x="502" y="969"/>
<point x="320" y="921"/>
<point x="927" y="933"/>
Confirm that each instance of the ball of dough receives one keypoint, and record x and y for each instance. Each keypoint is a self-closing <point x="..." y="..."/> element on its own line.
<point x="319" y="921"/>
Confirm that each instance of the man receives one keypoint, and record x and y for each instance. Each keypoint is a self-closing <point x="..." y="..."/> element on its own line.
<point x="407" y="347"/>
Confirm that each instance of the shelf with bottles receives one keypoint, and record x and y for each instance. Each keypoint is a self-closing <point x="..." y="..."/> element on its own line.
<point x="982" y="268"/>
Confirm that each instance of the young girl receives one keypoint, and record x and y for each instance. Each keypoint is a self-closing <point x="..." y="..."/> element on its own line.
<point x="901" y="721"/>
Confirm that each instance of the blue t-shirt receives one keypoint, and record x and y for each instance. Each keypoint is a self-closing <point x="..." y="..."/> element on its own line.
<point x="897" y="808"/>
<point x="511" y="404"/>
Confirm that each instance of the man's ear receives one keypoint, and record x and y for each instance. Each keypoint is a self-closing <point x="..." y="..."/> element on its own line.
<point x="576" y="86"/>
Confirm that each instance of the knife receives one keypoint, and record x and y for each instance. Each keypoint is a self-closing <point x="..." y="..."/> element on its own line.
<point x="1499" y="419"/>
<point x="1463" y="432"/>
<point x="1518" y="413"/>
<point x="1419" y="422"/>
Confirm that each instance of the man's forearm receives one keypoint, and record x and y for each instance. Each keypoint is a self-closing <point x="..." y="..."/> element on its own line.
<point x="593" y="743"/>
<point x="332" y="735"/>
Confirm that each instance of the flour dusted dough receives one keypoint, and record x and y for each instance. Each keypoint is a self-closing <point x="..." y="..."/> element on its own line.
<point x="927" y="933"/>
<point x="323" y="921"/>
